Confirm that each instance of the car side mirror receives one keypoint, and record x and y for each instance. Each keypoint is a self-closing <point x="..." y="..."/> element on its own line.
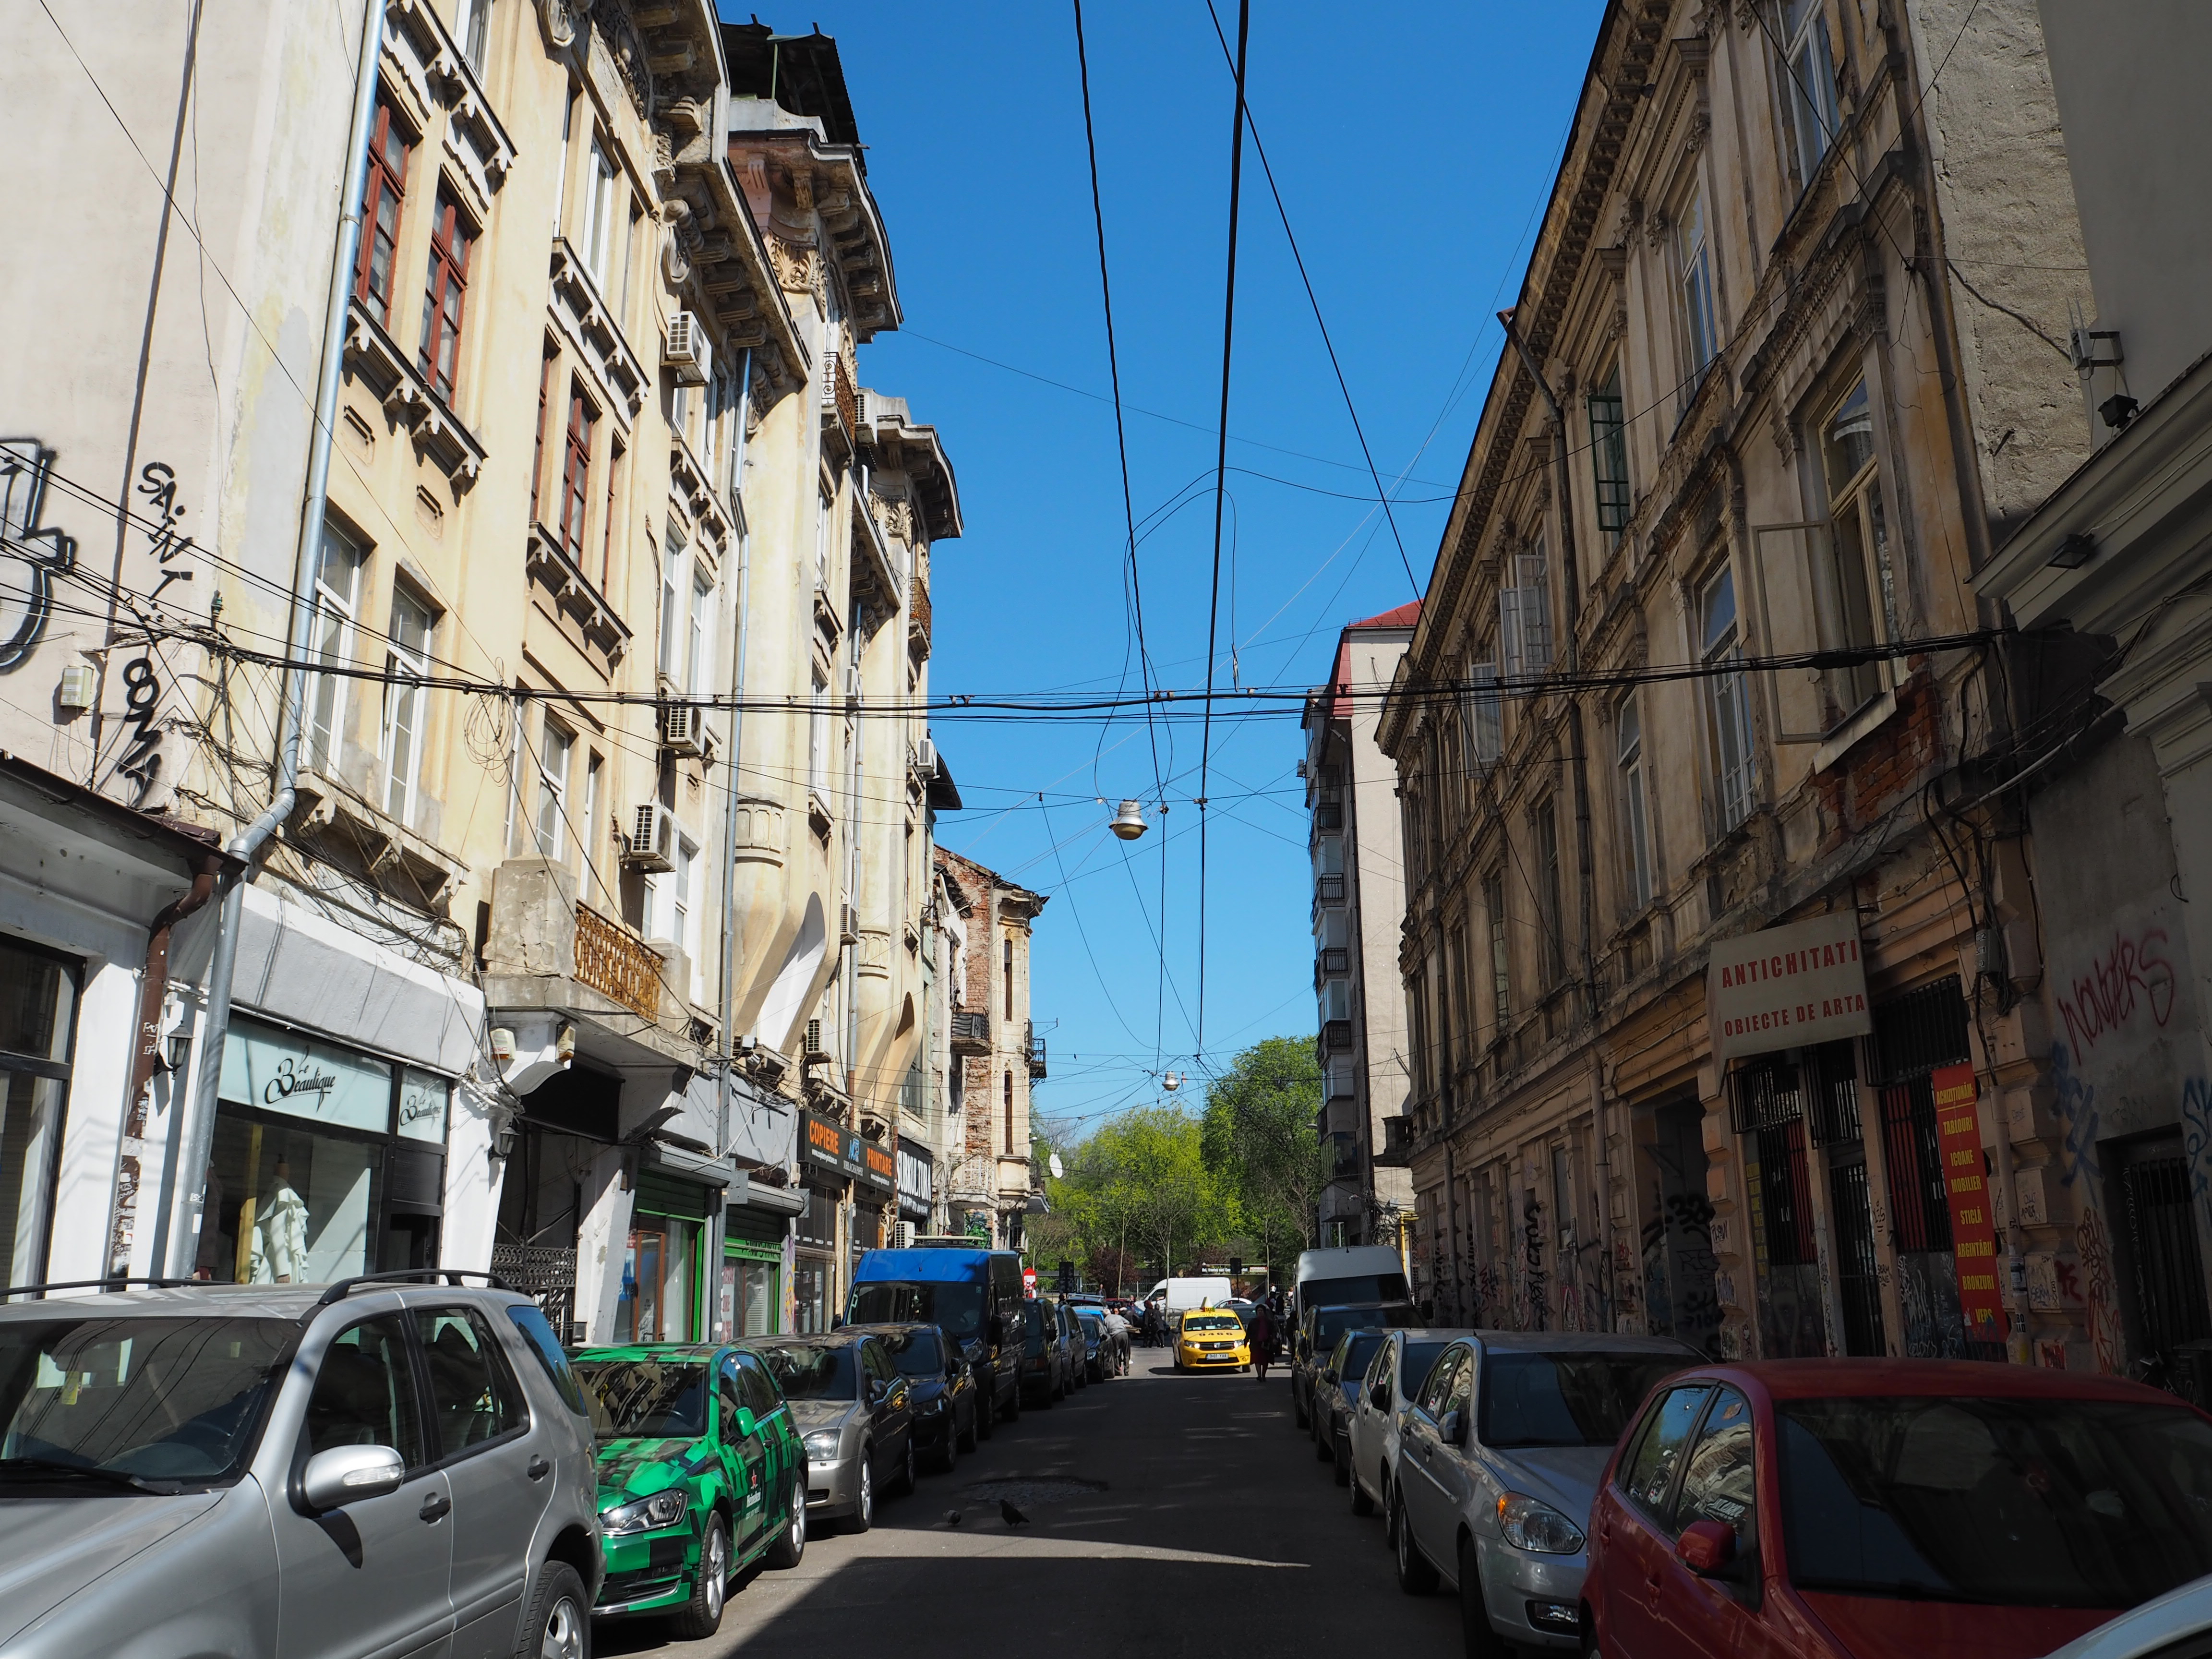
<point x="345" y="1474"/>
<point x="877" y="1390"/>
<point x="1707" y="1548"/>
<point x="1453" y="1430"/>
<point x="745" y="1423"/>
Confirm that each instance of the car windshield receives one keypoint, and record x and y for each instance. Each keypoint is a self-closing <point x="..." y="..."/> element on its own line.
<point x="958" y="1310"/>
<point x="645" y="1398"/>
<point x="167" y="1402"/>
<point x="1212" y="1321"/>
<point x="1565" y="1399"/>
<point x="1093" y="1321"/>
<point x="2018" y="1503"/>
<point x="916" y="1353"/>
<point x="1360" y="1287"/>
<point x="1330" y="1323"/>
<point x="1036" y="1321"/>
<point x="810" y="1372"/>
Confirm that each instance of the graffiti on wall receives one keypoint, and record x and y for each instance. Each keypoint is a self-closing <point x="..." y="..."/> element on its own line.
<point x="2197" y="1145"/>
<point x="2076" y="1099"/>
<point x="141" y="727"/>
<point x="1534" y="1308"/>
<point x="33" y="551"/>
<point x="2132" y="976"/>
<point x="2099" y="1297"/>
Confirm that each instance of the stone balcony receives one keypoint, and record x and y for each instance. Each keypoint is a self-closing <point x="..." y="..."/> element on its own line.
<point x="550" y="955"/>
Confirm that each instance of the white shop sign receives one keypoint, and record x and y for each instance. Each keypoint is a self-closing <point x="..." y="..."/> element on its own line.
<point x="279" y="1071"/>
<point x="1788" y="988"/>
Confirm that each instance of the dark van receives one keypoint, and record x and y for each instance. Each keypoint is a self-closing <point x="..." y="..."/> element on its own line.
<point x="974" y="1295"/>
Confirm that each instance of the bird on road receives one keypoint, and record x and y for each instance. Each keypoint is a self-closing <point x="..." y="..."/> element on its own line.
<point x="1012" y="1516"/>
<point x="952" y="1517"/>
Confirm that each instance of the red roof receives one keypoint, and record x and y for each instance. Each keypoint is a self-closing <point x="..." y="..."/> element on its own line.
<point x="1404" y="616"/>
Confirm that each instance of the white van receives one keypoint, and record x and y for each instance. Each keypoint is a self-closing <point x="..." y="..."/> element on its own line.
<point x="1177" y="1296"/>
<point x="1350" y="1274"/>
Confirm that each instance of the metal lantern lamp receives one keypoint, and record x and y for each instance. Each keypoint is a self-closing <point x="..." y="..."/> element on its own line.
<point x="1129" y="822"/>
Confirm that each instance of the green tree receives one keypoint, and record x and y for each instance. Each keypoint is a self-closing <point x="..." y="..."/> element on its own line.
<point x="1140" y="1186"/>
<point x="1261" y="1139"/>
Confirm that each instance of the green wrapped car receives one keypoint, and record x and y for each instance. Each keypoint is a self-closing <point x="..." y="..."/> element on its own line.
<point x="700" y="1473"/>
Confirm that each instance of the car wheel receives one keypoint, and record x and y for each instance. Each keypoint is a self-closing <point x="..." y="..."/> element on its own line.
<point x="950" y="1455"/>
<point x="1343" y="1454"/>
<point x="1415" y="1576"/>
<point x="979" y="1428"/>
<point x="559" y="1625"/>
<point x="788" y="1550"/>
<point x="1298" y="1408"/>
<point x="1481" y="1637"/>
<point x="903" y="1487"/>
<point x="1324" y="1439"/>
<point x="1014" y="1402"/>
<point x="864" y="1497"/>
<point x="1390" y="1511"/>
<point x="701" y="1616"/>
<point x="1361" y="1503"/>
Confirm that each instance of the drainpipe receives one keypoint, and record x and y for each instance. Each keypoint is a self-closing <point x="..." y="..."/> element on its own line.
<point x="730" y="790"/>
<point x="153" y="988"/>
<point x="185" y="1247"/>
<point x="1601" y="1159"/>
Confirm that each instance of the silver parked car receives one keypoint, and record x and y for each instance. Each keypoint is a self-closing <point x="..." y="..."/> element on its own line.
<point x="855" y="1412"/>
<point x="1394" y="1375"/>
<point x="381" y="1465"/>
<point x="1498" y="1461"/>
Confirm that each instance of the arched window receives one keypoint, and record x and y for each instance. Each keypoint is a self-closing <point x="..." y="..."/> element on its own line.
<point x="1010" y="1113"/>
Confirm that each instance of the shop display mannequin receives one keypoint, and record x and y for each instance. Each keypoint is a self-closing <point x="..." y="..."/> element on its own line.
<point x="280" y="1234"/>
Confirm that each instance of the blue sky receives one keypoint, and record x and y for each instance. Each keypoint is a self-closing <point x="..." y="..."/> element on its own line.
<point x="1413" y="145"/>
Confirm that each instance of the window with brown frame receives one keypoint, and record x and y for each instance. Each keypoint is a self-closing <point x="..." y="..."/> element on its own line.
<point x="445" y="292"/>
<point x="544" y="411"/>
<point x="576" y="472"/>
<point x="607" y="526"/>
<point x="389" y="148"/>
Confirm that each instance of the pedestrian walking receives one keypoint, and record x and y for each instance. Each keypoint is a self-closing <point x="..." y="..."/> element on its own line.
<point x="1262" y="1332"/>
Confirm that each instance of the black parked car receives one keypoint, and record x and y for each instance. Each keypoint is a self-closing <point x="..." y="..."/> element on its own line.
<point x="854" y="1411"/>
<point x="942" y="1387"/>
<point x="1317" y="1339"/>
<point x="1044" y="1354"/>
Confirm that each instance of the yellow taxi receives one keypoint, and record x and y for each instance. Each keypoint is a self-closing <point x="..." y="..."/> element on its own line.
<point x="1212" y="1339"/>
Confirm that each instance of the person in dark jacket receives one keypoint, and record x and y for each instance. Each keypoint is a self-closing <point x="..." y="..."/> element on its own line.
<point x="1261" y="1334"/>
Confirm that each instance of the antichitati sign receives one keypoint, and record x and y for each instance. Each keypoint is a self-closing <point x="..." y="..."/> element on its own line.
<point x="1787" y="987"/>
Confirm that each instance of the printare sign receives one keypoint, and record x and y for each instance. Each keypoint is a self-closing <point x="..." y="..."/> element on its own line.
<point x="1787" y="987"/>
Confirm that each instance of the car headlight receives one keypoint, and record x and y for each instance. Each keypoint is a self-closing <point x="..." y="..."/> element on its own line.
<point x="822" y="1444"/>
<point x="931" y="1407"/>
<point x="1530" y="1523"/>
<point x="663" y="1508"/>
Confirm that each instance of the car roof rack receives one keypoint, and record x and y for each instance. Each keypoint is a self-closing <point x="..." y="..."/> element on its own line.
<point x="345" y="1287"/>
<point x="114" y="1283"/>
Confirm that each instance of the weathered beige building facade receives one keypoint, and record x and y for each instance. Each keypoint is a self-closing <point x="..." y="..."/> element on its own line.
<point x="1701" y="657"/>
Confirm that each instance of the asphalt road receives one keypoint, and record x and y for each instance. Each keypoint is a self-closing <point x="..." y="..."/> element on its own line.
<point x="1170" y="1515"/>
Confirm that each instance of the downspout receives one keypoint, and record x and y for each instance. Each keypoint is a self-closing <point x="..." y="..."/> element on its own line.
<point x="730" y="788"/>
<point x="250" y="841"/>
<point x="1601" y="1158"/>
<point x="152" y="989"/>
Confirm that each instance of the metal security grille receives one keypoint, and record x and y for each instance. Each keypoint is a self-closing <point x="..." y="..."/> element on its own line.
<point x="1856" y="1285"/>
<point x="1918" y="1032"/>
<point x="1913" y="1036"/>
<point x="1832" y="1091"/>
<point x="2169" y="1275"/>
<point x="1787" y="1193"/>
<point x="547" y="1276"/>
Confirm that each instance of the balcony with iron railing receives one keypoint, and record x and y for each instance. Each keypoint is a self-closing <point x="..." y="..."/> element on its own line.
<point x="1035" y="1045"/>
<point x="1329" y="889"/>
<point x="1336" y="1036"/>
<point x="970" y="1031"/>
<point x="1332" y="961"/>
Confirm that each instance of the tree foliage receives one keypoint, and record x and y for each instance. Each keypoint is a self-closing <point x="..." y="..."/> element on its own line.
<point x="1259" y="1138"/>
<point x="1139" y="1189"/>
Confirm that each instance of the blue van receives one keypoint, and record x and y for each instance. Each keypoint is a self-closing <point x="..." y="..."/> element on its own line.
<point x="974" y="1295"/>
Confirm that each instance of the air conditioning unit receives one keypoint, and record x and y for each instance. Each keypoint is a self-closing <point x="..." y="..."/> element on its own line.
<point x="688" y="351"/>
<point x="652" y="838"/>
<point x="683" y="728"/>
<point x="814" y="1052"/>
<point x="902" y="1235"/>
<point x="925" y="757"/>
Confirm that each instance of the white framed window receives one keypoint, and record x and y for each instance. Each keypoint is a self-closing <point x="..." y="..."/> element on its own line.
<point x="587" y="827"/>
<point x="1481" y="728"/>
<point x="817" y="736"/>
<point x="337" y="601"/>
<point x="1811" y="73"/>
<point x="629" y="258"/>
<point x="672" y="562"/>
<point x="821" y="547"/>
<point x="699" y="642"/>
<point x="600" y="193"/>
<point x="408" y="652"/>
<point x="679" y="411"/>
<point x="1728" y="700"/>
<point x="1857" y="589"/>
<point x="555" y="750"/>
<point x="684" y="908"/>
<point x="1524" y="617"/>
<point x="1634" y="830"/>
<point x="1694" y="279"/>
<point x="471" y="25"/>
<point x="560" y="173"/>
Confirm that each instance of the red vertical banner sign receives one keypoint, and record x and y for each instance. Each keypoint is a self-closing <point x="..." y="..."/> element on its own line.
<point x="1965" y="1183"/>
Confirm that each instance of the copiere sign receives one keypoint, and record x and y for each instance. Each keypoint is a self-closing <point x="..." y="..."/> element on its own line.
<point x="1787" y="987"/>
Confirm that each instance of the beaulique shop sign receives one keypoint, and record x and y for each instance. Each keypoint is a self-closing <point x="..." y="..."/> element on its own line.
<point x="282" y="1072"/>
<point x="1787" y="987"/>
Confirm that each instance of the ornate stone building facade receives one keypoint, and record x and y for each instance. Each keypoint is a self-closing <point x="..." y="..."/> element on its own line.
<point x="1701" y="659"/>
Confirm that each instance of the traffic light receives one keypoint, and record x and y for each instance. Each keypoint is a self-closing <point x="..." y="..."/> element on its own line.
<point x="1236" y="1267"/>
<point x="1067" y="1278"/>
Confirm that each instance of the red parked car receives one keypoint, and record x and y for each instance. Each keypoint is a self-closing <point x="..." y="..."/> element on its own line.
<point x="1879" y="1509"/>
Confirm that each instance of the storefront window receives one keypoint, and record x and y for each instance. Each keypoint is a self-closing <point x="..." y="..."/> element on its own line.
<point x="749" y="1296"/>
<point x="658" y="1283"/>
<point x="810" y="1289"/>
<point x="314" y="1146"/>
<point x="38" y="1009"/>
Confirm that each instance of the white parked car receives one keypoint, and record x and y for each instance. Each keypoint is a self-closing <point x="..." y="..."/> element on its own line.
<point x="1393" y="1376"/>
<point x="2177" y="1623"/>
